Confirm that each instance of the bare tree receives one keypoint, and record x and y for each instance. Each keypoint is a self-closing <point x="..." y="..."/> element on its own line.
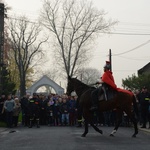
<point x="74" y="26"/>
<point x="89" y="75"/>
<point x="52" y="74"/>
<point x="26" y="46"/>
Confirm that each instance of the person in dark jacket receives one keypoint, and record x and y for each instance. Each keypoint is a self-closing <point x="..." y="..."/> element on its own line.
<point x="57" y="113"/>
<point x="65" y="112"/>
<point x="72" y="110"/>
<point x="2" y="113"/>
<point x="43" y="105"/>
<point x="49" y="112"/>
<point x="60" y="115"/>
<point x="24" y="108"/>
<point x="34" y="110"/>
<point x="144" y="98"/>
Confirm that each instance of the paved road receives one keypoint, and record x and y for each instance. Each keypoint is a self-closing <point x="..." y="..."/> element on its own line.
<point x="69" y="138"/>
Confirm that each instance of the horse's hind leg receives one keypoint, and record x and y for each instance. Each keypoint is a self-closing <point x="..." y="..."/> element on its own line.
<point x="96" y="128"/>
<point x="131" y="115"/>
<point x="118" y="121"/>
<point x="86" y="128"/>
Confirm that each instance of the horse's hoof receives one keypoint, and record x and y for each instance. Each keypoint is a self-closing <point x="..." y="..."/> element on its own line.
<point x="134" y="136"/>
<point x="83" y="135"/>
<point x="101" y="132"/>
<point x="111" y="135"/>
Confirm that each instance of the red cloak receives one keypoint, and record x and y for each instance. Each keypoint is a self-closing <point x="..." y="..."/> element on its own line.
<point x="109" y="79"/>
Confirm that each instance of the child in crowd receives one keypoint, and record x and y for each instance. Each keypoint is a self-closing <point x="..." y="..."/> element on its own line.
<point x="16" y="112"/>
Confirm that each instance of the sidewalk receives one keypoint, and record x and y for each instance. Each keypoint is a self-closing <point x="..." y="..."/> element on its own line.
<point x="2" y="129"/>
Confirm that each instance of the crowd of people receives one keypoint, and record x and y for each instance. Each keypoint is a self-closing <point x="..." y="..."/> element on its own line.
<point x="55" y="110"/>
<point x="52" y="110"/>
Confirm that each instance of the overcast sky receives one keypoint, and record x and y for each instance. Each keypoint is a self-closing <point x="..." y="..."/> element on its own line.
<point x="129" y="42"/>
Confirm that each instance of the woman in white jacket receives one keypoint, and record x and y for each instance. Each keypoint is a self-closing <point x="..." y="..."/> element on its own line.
<point x="9" y="106"/>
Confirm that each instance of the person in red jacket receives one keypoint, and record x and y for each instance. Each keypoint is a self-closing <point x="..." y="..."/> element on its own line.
<point x="107" y="79"/>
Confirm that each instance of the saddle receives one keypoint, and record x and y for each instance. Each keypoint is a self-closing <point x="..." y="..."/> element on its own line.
<point x="106" y="93"/>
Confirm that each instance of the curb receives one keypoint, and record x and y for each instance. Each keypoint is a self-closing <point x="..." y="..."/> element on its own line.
<point x="144" y="129"/>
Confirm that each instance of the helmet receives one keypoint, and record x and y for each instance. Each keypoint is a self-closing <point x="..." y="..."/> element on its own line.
<point x="107" y="65"/>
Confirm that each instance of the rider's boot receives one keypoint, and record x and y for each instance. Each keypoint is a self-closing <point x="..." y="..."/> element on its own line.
<point x="94" y="107"/>
<point x="94" y="95"/>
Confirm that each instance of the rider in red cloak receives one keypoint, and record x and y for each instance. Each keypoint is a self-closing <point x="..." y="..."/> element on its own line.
<point x="107" y="79"/>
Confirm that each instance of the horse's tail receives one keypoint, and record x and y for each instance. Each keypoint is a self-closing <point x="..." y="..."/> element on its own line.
<point x="135" y="107"/>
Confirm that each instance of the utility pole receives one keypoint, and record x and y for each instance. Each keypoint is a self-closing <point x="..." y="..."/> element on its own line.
<point x="1" y="45"/>
<point x="110" y="59"/>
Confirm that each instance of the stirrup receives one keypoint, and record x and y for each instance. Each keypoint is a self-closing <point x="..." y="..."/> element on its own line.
<point x="93" y="108"/>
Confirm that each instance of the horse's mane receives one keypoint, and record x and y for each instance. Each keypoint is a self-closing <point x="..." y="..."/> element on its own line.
<point x="82" y="84"/>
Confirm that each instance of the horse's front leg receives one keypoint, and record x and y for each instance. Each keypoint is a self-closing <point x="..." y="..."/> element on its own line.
<point x="85" y="128"/>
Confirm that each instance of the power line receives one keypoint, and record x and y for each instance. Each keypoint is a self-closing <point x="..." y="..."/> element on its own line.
<point x="132" y="49"/>
<point x="135" y="24"/>
<point x="119" y="33"/>
<point x="19" y="19"/>
<point x="139" y="59"/>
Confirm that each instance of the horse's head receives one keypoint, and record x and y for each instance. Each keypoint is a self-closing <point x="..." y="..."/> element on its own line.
<point x="70" y="86"/>
<point x="75" y="85"/>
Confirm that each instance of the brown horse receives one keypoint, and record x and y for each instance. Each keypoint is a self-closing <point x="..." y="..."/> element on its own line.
<point x="122" y="102"/>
